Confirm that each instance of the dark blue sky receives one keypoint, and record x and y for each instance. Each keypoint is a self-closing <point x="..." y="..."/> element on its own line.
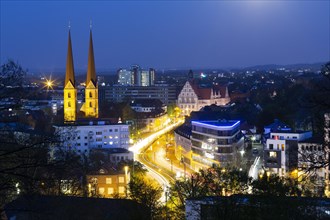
<point x="166" y="34"/>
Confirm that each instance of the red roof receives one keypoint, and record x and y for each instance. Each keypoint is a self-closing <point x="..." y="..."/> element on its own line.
<point x="205" y="93"/>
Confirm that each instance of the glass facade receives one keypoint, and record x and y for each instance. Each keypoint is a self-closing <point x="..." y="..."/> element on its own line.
<point x="216" y="140"/>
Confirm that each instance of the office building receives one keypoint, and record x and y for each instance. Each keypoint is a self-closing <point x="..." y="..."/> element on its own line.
<point x="215" y="142"/>
<point x="117" y="93"/>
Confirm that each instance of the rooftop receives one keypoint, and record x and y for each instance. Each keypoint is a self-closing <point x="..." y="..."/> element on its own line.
<point x="92" y="121"/>
<point x="183" y="130"/>
<point x="313" y="140"/>
<point x="289" y="132"/>
<point x="111" y="150"/>
<point x="68" y="207"/>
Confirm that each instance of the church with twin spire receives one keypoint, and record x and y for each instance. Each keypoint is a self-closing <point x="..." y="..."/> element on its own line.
<point x="90" y="106"/>
<point x="83" y="130"/>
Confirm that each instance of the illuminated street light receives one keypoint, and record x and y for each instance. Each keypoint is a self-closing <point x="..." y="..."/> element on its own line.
<point x="49" y="83"/>
<point x="242" y="152"/>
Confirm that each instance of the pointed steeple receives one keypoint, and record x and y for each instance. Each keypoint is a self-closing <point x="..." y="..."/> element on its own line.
<point x="69" y="73"/>
<point x="91" y="75"/>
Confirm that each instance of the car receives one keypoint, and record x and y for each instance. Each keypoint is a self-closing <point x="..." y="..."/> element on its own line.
<point x="255" y="151"/>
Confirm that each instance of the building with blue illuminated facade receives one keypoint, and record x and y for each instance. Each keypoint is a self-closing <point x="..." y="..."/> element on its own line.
<point x="215" y="142"/>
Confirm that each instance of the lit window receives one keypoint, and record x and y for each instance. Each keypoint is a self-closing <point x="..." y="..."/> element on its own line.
<point x="121" y="190"/>
<point x="108" y="180"/>
<point x="110" y="190"/>
<point x="272" y="154"/>
<point x="101" y="190"/>
<point x="121" y="179"/>
<point x="282" y="147"/>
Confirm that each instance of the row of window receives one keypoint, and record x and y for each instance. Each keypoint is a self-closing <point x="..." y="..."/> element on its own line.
<point x="215" y="132"/>
<point x="311" y="148"/>
<point x="187" y="100"/>
<point x="271" y="146"/>
<point x="186" y="90"/>
<point x="90" y="104"/>
<point x="222" y="141"/>
<point x="119" y="158"/>
<point x="187" y="106"/>
<point x="108" y="180"/>
<point x="105" y="143"/>
<point x="90" y="95"/>
<point x="282" y="137"/>
<point x="100" y="139"/>
<point x="110" y="130"/>
<point x="110" y="190"/>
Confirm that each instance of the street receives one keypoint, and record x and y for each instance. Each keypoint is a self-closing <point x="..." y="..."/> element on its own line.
<point x="140" y="148"/>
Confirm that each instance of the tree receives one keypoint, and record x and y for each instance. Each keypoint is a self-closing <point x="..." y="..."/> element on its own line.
<point x="11" y="74"/>
<point x="273" y="185"/>
<point x="319" y="103"/>
<point x="214" y="181"/>
<point x="128" y="114"/>
<point x="145" y="192"/>
<point x="27" y="168"/>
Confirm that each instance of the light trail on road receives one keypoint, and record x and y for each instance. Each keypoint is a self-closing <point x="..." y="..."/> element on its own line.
<point x="136" y="148"/>
<point x="153" y="172"/>
<point x="253" y="172"/>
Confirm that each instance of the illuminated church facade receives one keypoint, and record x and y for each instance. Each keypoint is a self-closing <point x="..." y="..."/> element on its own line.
<point x="90" y="106"/>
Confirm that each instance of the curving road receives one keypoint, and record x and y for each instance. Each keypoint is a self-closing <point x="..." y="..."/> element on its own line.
<point x="139" y="149"/>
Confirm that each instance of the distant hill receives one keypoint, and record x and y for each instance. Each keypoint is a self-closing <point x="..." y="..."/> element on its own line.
<point x="311" y="66"/>
<point x="111" y="71"/>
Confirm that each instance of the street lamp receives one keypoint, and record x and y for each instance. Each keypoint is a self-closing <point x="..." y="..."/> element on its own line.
<point x="49" y="83"/>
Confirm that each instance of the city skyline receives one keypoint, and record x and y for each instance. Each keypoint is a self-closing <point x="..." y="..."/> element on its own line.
<point x="166" y="34"/>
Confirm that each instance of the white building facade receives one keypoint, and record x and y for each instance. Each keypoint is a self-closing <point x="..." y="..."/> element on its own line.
<point x="281" y="151"/>
<point x="83" y="136"/>
<point x="193" y="97"/>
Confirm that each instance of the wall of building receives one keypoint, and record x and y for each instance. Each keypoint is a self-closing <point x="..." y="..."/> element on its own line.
<point x="84" y="137"/>
<point x="216" y="144"/>
<point x="165" y="93"/>
<point x="108" y="185"/>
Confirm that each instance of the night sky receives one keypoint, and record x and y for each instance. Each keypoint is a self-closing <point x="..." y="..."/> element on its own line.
<point x="165" y="34"/>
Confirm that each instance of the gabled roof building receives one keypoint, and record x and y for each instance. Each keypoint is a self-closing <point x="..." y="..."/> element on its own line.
<point x="195" y="96"/>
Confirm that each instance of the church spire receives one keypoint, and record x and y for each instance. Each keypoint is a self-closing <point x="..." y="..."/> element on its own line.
<point x="91" y="75"/>
<point x="91" y="106"/>
<point x="69" y="92"/>
<point x="69" y="73"/>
